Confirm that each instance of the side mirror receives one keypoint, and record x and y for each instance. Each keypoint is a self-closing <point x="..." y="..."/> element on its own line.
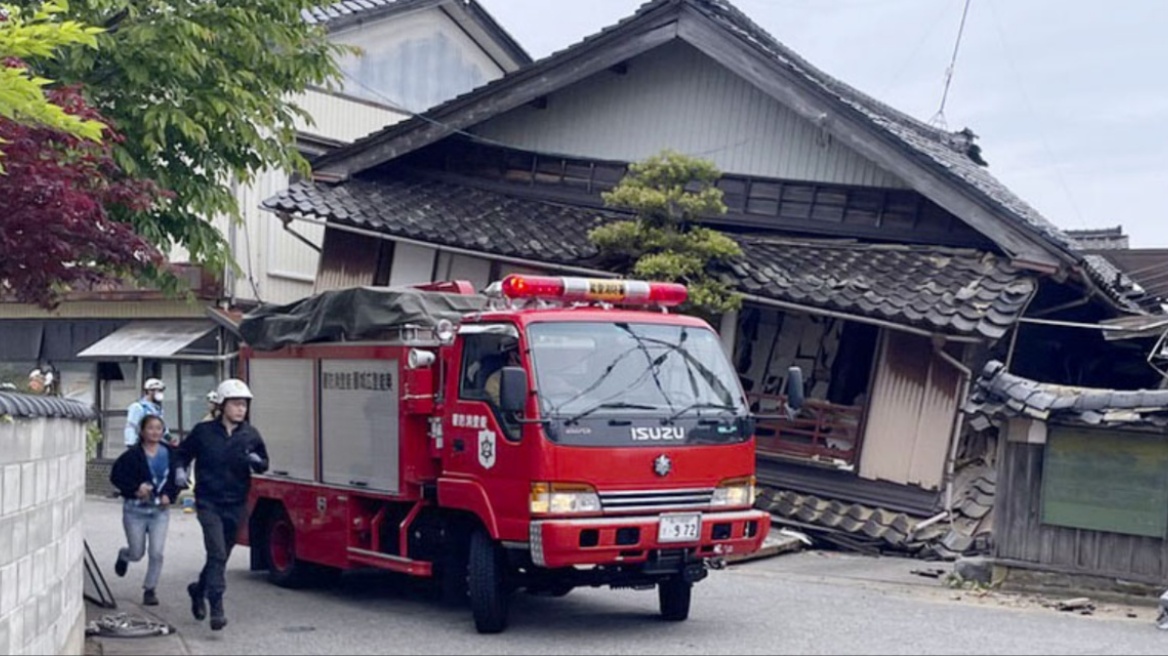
<point x="513" y="389"/>
<point x="795" y="393"/>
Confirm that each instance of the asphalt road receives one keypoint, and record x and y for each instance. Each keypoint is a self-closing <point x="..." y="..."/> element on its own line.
<point x="810" y="603"/>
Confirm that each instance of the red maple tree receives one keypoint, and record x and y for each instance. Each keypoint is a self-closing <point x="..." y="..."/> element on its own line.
<point x="60" y="198"/>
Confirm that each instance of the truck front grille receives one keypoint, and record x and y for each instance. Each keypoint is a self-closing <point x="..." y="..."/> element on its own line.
<point x="656" y="500"/>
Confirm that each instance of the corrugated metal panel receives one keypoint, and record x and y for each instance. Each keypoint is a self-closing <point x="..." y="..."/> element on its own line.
<point x="342" y="118"/>
<point x="148" y="339"/>
<point x="348" y="260"/>
<point x="675" y="97"/>
<point x="910" y="421"/>
<point x="275" y="266"/>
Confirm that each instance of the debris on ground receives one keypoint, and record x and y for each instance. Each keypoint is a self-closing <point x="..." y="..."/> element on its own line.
<point x="929" y="573"/>
<point x="941" y="535"/>
<point x="779" y="541"/>
<point x="1077" y="604"/>
<point x="124" y="625"/>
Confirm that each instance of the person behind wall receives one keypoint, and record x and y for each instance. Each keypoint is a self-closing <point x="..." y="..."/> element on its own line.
<point x="150" y="404"/>
<point x="225" y="453"/>
<point x="147" y="478"/>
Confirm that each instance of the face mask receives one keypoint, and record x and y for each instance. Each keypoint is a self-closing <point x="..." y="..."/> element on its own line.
<point x="158" y="397"/>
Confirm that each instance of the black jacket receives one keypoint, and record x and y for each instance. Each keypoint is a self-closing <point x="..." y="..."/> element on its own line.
<point x="132" y="469"/>
<point x="222" y="469"/>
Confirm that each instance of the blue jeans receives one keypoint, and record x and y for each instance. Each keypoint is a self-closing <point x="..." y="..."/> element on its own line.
<point x="141" y="521"/>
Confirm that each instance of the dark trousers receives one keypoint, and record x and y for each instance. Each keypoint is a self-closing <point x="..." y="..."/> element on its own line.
<point x="220" y="524"/>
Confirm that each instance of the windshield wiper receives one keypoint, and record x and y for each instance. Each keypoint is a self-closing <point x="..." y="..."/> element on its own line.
<point x="702" y="405"/>
<point x="609" y="405"/>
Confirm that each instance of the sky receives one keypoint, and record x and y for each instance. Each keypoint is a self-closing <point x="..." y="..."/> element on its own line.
<point x="1061" y="93"/>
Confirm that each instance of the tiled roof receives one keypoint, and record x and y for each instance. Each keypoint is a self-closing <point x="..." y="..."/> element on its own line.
<point x="939" y="289"/>
<point x="448" y="214"/>
<point x="999" y="392"/>
<point x="326" y="13"/>
<point x="869" y="528"/>
<point x="941" y="151"/>
<point x="14" y="404"/>
<point x="1114" y="282"/>
<point x="1140" y="274"/>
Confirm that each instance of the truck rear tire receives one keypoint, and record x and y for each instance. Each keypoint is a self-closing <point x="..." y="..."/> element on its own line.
<point x="488" y="584"/>
<point x="674" y="595"/>
<point x="284" y="568"/>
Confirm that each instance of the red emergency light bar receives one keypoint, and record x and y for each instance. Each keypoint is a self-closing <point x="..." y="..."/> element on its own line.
<point x="632" y="292"/>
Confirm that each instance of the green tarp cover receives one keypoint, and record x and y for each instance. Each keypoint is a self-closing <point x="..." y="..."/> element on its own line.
<point x="352" y="314"/>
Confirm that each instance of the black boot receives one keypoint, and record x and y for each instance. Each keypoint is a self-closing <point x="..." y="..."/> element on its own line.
<point x="198" y="604"/>
<point x="149" y="598"/>
<point x="218" y="620"/>
<point x="120" y="566"/>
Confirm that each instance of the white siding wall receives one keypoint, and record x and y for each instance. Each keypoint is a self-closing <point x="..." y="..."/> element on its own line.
<point x="416" y="60"/>
<point x="464" y="267"/>
<point x="413" y="60"/>
<point x="411" y="265"/>
<point x="343" y="118"/>
<point x="676" y="97"/>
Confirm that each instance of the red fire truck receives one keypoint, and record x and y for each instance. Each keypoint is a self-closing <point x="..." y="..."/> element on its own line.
<point x="549" y="434"/>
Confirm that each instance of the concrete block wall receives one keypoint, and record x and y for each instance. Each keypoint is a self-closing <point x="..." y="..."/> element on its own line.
<point x="97" y="478"/>
<point x="42" y="492"/>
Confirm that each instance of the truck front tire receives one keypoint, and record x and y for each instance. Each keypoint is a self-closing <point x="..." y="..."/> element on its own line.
<point x="488" y="584"/>
<point x="674" y="595"/>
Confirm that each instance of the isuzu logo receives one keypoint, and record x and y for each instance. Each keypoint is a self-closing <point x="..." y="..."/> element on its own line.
<point x="662" y="465"/>
<point x="657" y="433"/>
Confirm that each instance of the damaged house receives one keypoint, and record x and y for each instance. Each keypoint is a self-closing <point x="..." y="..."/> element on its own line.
<point x="1082" y="478"/>
<point x="879" y="253"/>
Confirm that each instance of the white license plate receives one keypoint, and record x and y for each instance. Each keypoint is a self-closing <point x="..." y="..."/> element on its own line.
<point x="680" y="528"/>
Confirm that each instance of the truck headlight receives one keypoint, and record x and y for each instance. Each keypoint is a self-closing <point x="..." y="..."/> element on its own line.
<point x="733" y="493"/>
<point x="563" y="499"/>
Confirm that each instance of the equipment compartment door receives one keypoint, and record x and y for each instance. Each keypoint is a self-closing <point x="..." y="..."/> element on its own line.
<point x="359" y="423"/>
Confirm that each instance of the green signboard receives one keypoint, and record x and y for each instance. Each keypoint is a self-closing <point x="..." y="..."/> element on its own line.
<point x="1106" y="480"/>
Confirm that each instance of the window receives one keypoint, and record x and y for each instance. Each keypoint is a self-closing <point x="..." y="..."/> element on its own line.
<point x="483" y="354"/>
<point x="1106" y="480"/>
<point x="415" y="73"/>
<point x="187" y="384"/>
<point x="486" y="349"/>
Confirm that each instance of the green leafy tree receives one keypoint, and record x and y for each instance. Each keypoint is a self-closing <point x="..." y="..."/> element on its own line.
<point x="201" y="90"/>
<point x="37" y="33"/>
<point x="669" y="193"/>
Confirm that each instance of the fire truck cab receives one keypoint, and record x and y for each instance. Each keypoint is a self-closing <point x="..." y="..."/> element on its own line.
<point x="549" y="434"/>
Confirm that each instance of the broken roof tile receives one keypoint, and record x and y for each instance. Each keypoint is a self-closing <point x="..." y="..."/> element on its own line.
<point x="999" y="392"/>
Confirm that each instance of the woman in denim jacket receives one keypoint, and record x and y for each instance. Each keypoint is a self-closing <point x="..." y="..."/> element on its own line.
<point x="145" y="476"/>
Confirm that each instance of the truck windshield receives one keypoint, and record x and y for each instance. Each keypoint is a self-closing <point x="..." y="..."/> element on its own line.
<point x="631" y="368"/>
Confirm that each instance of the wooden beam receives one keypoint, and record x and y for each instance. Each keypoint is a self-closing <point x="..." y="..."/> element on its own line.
<point x="813" y="104"/>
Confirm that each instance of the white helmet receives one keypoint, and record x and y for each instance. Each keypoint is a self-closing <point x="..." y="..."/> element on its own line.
<point x="213" y="397"/>
<point x="152" y="384"/>
<point x="233" y="388"/>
